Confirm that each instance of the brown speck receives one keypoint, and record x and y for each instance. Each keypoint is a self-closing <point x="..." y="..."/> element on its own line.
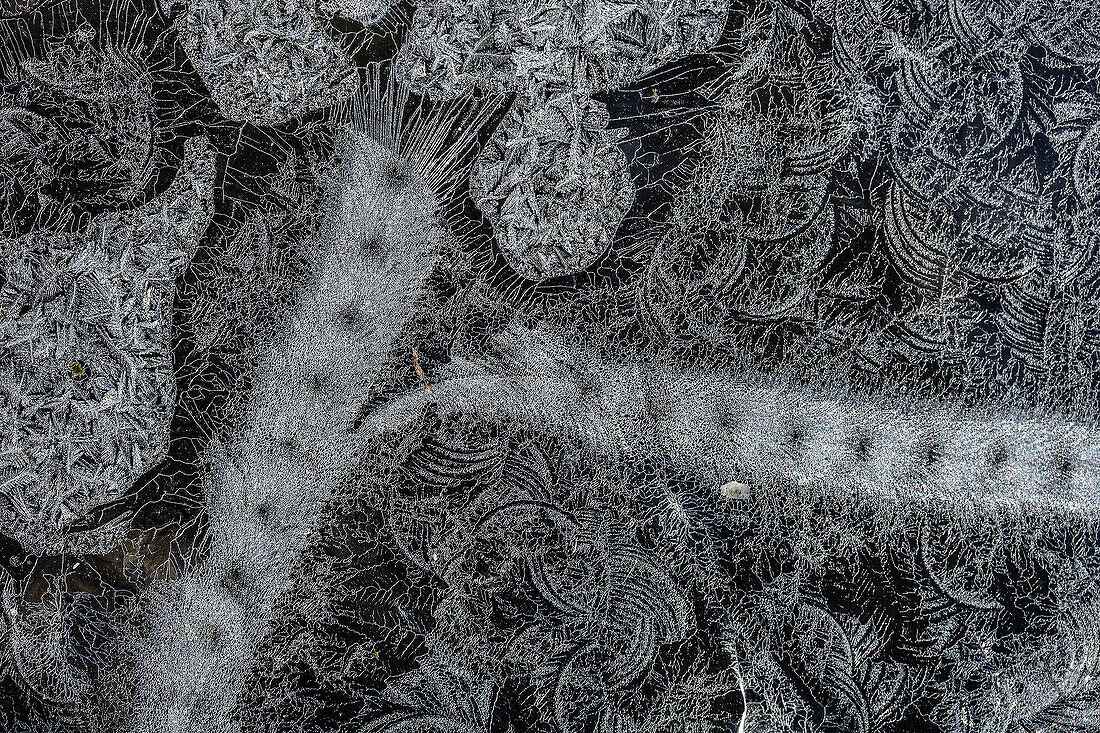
<point x="420" y="371"/>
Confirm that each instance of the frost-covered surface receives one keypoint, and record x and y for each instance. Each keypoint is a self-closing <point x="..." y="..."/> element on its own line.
<point x="455" y="47"/>
<point x="554" y="185"/>
<point x="550" y="367"/>
<point x="268" y="493"/>
<point x="85" y="331"/>
<point x="264" y="62"/>
<point x="552" y="181"/>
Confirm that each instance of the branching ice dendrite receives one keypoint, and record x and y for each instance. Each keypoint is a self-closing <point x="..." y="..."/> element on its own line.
<point x="737" y="434"/>
<point x="263" y="504"/>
